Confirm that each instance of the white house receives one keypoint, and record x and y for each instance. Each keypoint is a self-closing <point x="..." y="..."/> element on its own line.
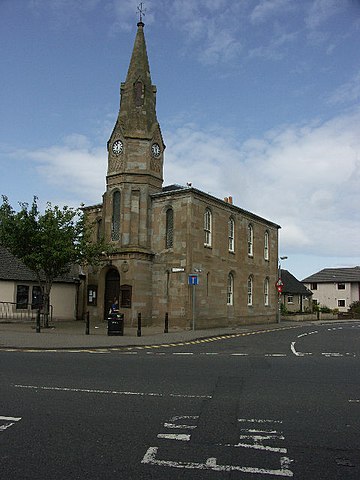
<point x="20" y="296"/>
<point x="335" y="287"/>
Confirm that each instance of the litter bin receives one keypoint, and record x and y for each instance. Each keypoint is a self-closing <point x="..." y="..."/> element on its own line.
<point x="116" y="324"/>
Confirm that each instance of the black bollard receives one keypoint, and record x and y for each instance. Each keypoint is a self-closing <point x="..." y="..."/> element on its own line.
<point x="38" y="321"/>
<point x="166" y="328"/>
<point x="87" y="328"/>
<point x="139" y="325"/>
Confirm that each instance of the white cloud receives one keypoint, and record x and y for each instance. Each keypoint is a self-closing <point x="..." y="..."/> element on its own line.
<point x="221" y="46"/>
<point x="269" y="8"/>
<point x="322" y="10"/>
<point x="75" y="167"/>
<point x="276" y="48"/>
<point x="306" y="178"/>
<point x="348" y="92"/>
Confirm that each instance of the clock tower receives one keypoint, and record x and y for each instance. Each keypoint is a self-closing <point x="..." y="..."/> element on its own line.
<point x="135" y="156"/>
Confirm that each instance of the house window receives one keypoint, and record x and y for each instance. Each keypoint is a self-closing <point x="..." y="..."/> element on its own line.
<point x="341" y="303"/>
<point x="207" y="227"/>
<point x="250" y="291"/>
<point x="92" y="295"/>
<point x="231" y="228"/>
<point x="290" y="299"/>
<point x="250" y="240"/>
<point x="313" y="286"/>
<point x="266" y="292"/>
<point x="266" y="246"/>
<point x="230" y="289"/>
<point x="115" y="223"/>
<point x="36" y="297"/>
<point x="125" y="296"/>
<point x="22" y="296"/>
<point x="169" y="241"/>
<point x="341" y="286"/>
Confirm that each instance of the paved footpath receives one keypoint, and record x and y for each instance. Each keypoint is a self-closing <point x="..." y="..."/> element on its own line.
<point x="71" y="334"/>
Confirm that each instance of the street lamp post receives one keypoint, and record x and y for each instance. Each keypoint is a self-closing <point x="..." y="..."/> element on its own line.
<point x="279" y="287"/>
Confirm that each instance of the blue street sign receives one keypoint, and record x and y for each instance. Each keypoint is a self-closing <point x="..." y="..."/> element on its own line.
<point x="193" y="279"/>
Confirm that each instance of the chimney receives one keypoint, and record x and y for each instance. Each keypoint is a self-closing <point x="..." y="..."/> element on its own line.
<point x="230" y="200"/>
<point x="226" y="200"/>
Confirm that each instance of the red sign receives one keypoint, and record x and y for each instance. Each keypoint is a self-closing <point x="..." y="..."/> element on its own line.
<point x="279" y="288"/>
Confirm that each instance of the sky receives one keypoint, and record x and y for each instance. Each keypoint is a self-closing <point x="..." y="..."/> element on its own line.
<point x="257" y="99"/>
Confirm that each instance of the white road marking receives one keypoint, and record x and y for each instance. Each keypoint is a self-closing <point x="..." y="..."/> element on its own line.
<point x="259" y="446"/>
<point x="354" y="401"/>
<point x="294" y="350"/>
<point x="211" y="464"/>
<point x="111" y="392"/>
<point x="10" y="422"/>
<point x="258" y="420"/>
<point x="183" y="353"/>
<point x="175" y="436"/>
<point x="275" y="355"/>
<point x="256" y="437"/>
<point x="10" y="419"/>
<point x="182" y="427"/>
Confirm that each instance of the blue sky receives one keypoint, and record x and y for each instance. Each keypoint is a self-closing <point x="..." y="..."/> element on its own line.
<point x="258" y="99"/>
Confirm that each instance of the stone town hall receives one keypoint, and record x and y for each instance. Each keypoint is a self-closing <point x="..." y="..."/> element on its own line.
<point x="161" y="235"/>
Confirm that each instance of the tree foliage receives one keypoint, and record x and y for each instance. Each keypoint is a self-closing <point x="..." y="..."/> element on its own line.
<point x="48" y="243"/>
<point x="355" y="308"/>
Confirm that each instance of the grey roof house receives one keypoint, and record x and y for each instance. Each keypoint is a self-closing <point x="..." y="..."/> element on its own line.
<point x="295" y="296"/>
<point x="20" y="295"/>
<point x="335" y="287"/>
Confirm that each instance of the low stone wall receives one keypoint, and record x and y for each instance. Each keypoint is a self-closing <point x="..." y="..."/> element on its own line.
<point x="303" y="317"/>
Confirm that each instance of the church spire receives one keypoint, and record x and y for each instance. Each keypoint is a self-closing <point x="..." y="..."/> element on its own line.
<point x="137" y="114"/>
<point x="136" y="147"/>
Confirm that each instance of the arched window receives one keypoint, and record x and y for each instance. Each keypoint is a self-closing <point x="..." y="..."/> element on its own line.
<point x="266" y="245"/>
<point x="230" y="289"/>
<point x="250" y="240"/>
<point x="115" y="223"/>
<point x="139" y="93"/>
<point x="99" y="232"/>
<point x="266" y="292"/>
<point x="250" y="291"/>
<point x="169" y="240"/>
<point x="207" y="227"/>
<point x="231" y="233"/>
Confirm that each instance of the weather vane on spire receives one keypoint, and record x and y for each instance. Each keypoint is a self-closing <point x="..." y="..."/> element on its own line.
<point x="141" y="11"/>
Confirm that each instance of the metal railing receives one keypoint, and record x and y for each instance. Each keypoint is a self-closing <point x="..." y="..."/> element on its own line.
<point x="10" y="313"/>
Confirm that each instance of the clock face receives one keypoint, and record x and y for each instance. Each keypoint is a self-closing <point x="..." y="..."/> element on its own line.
<point x="118" y="147"/>
<point x="155" y="150"/>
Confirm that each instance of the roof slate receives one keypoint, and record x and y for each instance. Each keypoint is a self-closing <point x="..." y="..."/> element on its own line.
<point x="11" y="268"/>
<point x="331" y="275"/>
<point x="292" y="284"/>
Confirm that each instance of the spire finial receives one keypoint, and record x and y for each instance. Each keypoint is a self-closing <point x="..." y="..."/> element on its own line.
<point x="142" y="12"/>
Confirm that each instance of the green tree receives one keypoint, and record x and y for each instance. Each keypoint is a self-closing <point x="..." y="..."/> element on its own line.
<point x="48" y="243"/>
<point x="354" y="308"/>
